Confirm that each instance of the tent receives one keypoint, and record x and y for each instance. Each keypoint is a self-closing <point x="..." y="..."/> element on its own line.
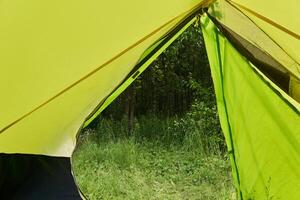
<point x="63" y="62"/>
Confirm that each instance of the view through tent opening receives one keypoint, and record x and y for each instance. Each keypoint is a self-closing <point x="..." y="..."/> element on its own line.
<point x="165" y="128"/>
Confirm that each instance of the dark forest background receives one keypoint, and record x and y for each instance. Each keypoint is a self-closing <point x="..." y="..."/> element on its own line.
<point x="172" y="101"/>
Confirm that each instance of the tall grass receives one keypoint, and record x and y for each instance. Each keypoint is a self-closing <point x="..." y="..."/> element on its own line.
<point x="180" y="157"/>
<point x="125" y="169"/>
<point x="197" y="130"/>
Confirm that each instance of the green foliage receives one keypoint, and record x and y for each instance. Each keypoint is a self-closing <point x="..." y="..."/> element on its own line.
<point x="172" y="103"/>
<point x="206" y="132"/>
<point x="171" y="83"/>
<point x="197" y="130"/>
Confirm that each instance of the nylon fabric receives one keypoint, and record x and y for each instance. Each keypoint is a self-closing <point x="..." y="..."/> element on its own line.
<point x="55" y="50"/>
<point x="260" y="124"/>
<point x="243" y="24"/>
<point x="284" y="14"/>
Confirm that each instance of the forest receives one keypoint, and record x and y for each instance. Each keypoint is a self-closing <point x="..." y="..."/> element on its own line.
<point x="161" y="138"/>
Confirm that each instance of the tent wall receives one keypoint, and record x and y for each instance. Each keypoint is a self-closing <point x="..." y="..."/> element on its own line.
<point x="278" y="20"/>
<point x="70" y="57"/>
<point x="257" y="28"/>
<point x="259" y="122"/>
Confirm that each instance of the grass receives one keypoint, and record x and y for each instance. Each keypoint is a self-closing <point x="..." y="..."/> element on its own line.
<point x="131" y="169"/>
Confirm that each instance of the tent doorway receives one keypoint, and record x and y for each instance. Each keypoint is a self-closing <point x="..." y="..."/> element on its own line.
<point x="160" y="134"/>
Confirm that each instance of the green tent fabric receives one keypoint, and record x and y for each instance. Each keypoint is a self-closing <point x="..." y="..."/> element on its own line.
<point x="63" y="62"/>
<point x="260" y="126"/>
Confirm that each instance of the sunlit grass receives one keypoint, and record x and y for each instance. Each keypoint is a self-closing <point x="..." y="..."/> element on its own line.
<point x="125" y="169"/>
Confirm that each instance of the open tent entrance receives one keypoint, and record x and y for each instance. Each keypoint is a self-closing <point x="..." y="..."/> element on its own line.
<point x="162" y="131"/>
<point x="256" y="78"/>
<point x="231" y="49"/>
<point x="36" y="176"/>
<point x="26" y="176"/>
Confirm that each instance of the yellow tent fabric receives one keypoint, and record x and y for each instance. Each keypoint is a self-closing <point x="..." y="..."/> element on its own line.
<point x="295" y="89"/>
<point x="60" y="59"/>
<point x="278" y="20"/>
<point x="256" y="31"/>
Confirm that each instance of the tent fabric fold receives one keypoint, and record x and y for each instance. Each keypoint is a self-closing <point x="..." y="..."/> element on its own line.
<point x="284" y="16"/>
<point x="270" y="66"/>
<point x="242" y="23"/>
